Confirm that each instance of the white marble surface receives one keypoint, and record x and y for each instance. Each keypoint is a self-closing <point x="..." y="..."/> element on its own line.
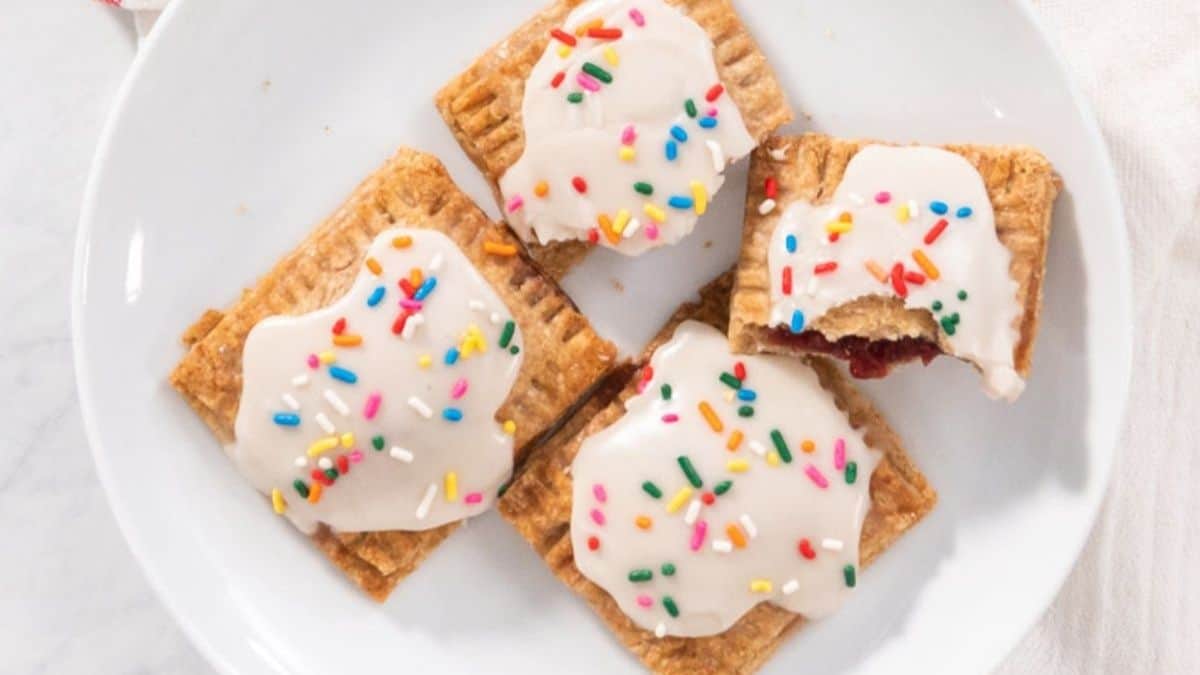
<point x="72" y="600"/>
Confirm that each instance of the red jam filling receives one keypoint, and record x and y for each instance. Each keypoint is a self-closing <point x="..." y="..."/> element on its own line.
<point x="869" y="359"/>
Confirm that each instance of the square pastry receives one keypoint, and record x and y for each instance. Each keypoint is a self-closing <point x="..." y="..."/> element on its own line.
<point x="881" y="254"/>
<point x="611" y="122"/>
<point x="382" y="379"/>
<point x="707" y="504"/>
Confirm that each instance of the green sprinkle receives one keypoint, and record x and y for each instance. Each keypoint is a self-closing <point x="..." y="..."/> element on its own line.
<point x="640" y="575"/>
<point x="851" y="472"/>
<point x="514" y="350"/>
<point x="503" y="489"/>
<point x="731" y="381"/>
<point x="948" y="325"/>
<point x="954" y="318"/>
<point x="642" y="187"/>
<point x="784" y="453"/>
<point x="671" y="607"/>
<point x="651" y="489"/>
<point x="690" y="471"/>
<point x="690" y="106"/>
<point x="746" y="411"/>
<point x="575" y="97"/>
<point x="937" y="305"/>
<point x="668" y="570"/>
<point x="377" y="442"/>
<point x="331" y="473"/>
<point x="301" y="488"/>
<point x="666" y="392"/>
<point x="597" y="72"/>
<point x="506" y="335"/>
<point x="962" y="295"/>
<point x="848" y="573"/>
<point x="722" y="487"/>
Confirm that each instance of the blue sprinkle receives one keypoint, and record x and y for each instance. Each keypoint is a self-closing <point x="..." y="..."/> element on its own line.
<point x="707" y="122"/>
<point x="287" y="419"/>
<point x="678" y="132"/>
<point x="680" y="202"/>
<point x="340" y="373"/>
<point x="376" y="296"/>
<point x="963" y="212"/>
<point x="425" y="289"/>
<point x="672" y="150"/>
<point x="939" y="208"/>
<point x="797" y="321"/>
<point x="452" y="414"/>
<point x="747" y="394"/>
<point x="790" y="242"/>
<point x="452" y="356"/>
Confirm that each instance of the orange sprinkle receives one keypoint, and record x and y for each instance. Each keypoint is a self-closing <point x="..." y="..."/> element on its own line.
<point x="584" y="28"/>
<point x="876" y="271"/>
<point x="415" y="277"/>
<point x="735" y="440"/>
<point x="643" y="522"/>
<point x="606" y="227"/>
<point x="845" y="217"/>
<point x="403" y="241"/>
<point x="496" y="248"/>
<point x="807" y="445"/>
<point x="314" y="493"/>
<point x="541" y="189"/>
<point x="347" y="340"/>
<point x="735" y="535"/>
<point x="374" y="266"/>
<point x="710" y="416"/>
<point x="926" y="264"/>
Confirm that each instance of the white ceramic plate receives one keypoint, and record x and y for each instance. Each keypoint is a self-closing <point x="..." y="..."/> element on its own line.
<point x="242" y="124"/>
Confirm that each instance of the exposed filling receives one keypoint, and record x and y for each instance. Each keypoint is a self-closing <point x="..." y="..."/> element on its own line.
<point x="868" y="358"/>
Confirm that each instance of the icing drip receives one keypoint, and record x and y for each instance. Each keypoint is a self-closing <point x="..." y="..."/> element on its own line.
<point x="377" y="412"/>
<point x="635" y="160"/>
<point x="911" y="222"/>
<point x="719" y="490"/>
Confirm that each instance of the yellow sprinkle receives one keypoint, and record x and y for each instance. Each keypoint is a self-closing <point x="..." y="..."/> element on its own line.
<point x="606" y="227"/>
<point x="621" y="221"/>
<point x="735" y="440"/>
<point x="277" y="501"/>
<point x="415" y="277"/>
<point x="643" y="522"/>
<point x="710" y="416"/>
<point x="510" y="427"/>
<point x="807" y="445"/>
<point x="773" y="458"/>
<point x="564" y="51"/>
<point x="926" y="264"/>
<point x="541" y="189"/>
<point x="655" y="212"/>
<point x="323" y="445"/>
<point x="735" y="535"/>
<point x="680" y="498"/>
<point x="626" y="153"/>
<point x="347" y="340"/>
<point x="838" y="226"/>
<point x="425" y="361"/>
<point x="585" y="27"/>
<point x="348" y="440"/>
<point x="326" y="358"/>
<point x="403" y="241"/>
<point x="451" y="490"/>
<point x="876" y="271"/>
<point x="610" y="55"/>
<point x="728" y="396"/>
<point x="737" y="465"/>
<point x="496" y="248"/>
<point x="902" y="214"/>
<point x="314" y="493"/>
<point x="374" y="266"/>
<point x="699" y="197"/>
<point x="760" y="586"/>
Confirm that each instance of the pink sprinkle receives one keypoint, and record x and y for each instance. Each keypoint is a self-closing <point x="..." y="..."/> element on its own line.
<point x="637" y="17"/>
<point x="628" y="135"/>
<point x="670" y="418"/>
<point x="698" y="532"/>
<point x="641" y="385"/>
<point x="814" y="474"/>
<point x="712" y="112"/>
<point x="883" y="197"/>
<point x="645" y="601"/>
<point x="473" y="498"/>
<point x="372" y="405"/>
<point x="356" y="456"/>
<point x="651" y="232"/>
<point x="598" y="491"/>
<point x="515" y="203"/>
<point x="459" y="388"/>
<point x="409" y="303"/>
<point x="313" y="361"/>
<point x="587" y="81"/>
<point x="839" y="454"/>
<point x="597" y="516"/>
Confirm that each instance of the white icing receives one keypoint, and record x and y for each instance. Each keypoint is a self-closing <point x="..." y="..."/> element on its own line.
<point x="968" y="255"/>
<point x="389" y="488"/>
<point x="775" y="506"/>
<point x="661" y="64"/>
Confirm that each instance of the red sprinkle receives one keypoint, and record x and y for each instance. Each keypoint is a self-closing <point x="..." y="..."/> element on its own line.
<point x="593" y="236"/>
<point x="739" y="370"/>
<point x="714" y="92"/>
<point x="580" y="184"/>
<point x="398" y="324"/>
<point x="604" y="33"/>
<point x="319" y="476"/>
<point x="898" y="280"/>
<point x="563" y="37"/>
<point x="771" y="188"/>
<point x="593" y="543"/>
<point x="914" y="278"/>
<point x="824" y="268"/>
<point x="647" y="373"/>
<point x="339" y="326"/>
<point x="935" y="231"/>
<point x="343" y="464"/>
<point x="406" y="286"/>
<point x="833" y="237"/>
<point x="806" y="549"/>
<point x="787" y="280"/>
<point x="708" y="498"/>
<point x="558" y="78"/>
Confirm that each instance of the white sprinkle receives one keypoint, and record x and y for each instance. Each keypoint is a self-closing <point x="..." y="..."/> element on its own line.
<point x="791" y="587"/>
<point x="632" y="226"/>
<point x="419" y="405"/>
<point x="495" y="317"/>
<point x="476" y="305"/>
<point x="410" y="326"/>
<point x="325" y="424"/>
<point x="436" y="263"/>
<point x="301" y="461"/>
<point x="722" y="545"/>
<point x="729" y="395"/>
<point x="767" y="206"/>
<point x="913" y="209"/>
<point x="325" y="463"/>
<point x="857" y="199"/>
<point x="718" y="156"/>
<point x="300" y="380"/>
<point x="779" y="154"/>
<point x="337" y="402"/>
<point x="426" y="501"/>
<point x="748" y="525"/>
<point x="693" y="512"/>
<point x="832" y="544"/>
<point x="291" y="402"/>
<point x="811" y="287"/>
<point x="401" y="454"/>
<point x="660" y="630"/>
<point x="758" y="448"/>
